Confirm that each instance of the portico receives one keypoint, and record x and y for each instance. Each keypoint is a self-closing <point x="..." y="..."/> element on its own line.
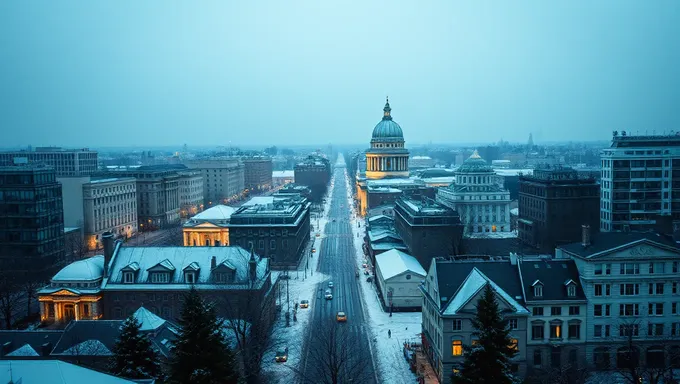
<point x="66" y="305"/>
<point x="206" y="234"/>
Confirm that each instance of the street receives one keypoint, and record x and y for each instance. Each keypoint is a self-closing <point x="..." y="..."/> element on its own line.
<point x="338" y="262"/>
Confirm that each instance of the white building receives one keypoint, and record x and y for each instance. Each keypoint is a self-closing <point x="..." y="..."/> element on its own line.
<point x="109" y="205"/>
<point x="640" y="180"/>
<point x="223" y="179"/>
<point x="479" y="198"/>
<point x="631" y="283"/>
<point x="190" y="193"/>
<point x="283" y="177"/>
<point x="66" y="162"/>
<point x="399" y="276"/>
<point x="208" y="228"/>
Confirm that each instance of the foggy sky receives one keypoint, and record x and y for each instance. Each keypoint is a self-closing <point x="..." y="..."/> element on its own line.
<point x="110" y="73"/>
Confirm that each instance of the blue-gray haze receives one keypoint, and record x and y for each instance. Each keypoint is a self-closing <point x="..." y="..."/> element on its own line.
<point x="108" y="73"/>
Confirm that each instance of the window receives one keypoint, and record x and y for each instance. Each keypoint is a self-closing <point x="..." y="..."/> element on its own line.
<point x="574" y="310"/>
<point x="675" y="267"/>
<point x="555" y="331"/>
<point x="537" y="357"/>
<point x="538" y="311"/>
<point x="675" y="331"/>
<point x="160" y="277"/>
<point x="513" y="323"/>
<point x="601" y="357"/>
<point x="574" y="331"/>
<point x="601" y="269"/>
<point x="655" y="309"/>
<point x="272" y="244"/>
<point x="537" y="332"/>
<point x="190" y="277"/>
<point x="514" y="345"/>
<point x="629" y="309"/>
<point x="602" y="290"/>
<point x="602" y="310"/>
<point x="630" y="269"/>
<point x="555" y="311"/>
<point x="629" y="289"/>
<point x="457" y="325"/>
<point x="571" y="290"/>
<point x="128" y="277"/>
<point x="408" y="277"/>
<point x="656" y="288"/>
<point x="674" y="308"/>
<point x="457" y="348"/>
<point x="629" y="330"/>
<point x="675" y="288"/>
<point x="656" y="267"/>
<point x="655" y="329"/>
<point x="538" y="290"/>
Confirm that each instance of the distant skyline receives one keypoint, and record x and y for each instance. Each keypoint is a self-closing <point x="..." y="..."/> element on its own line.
<point x="165" y="73"/>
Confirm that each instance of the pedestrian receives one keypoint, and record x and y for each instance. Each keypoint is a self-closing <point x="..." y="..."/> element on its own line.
<point x="389" y="333"/>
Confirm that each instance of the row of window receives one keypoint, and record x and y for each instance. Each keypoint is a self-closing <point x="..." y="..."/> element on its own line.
<point x="634" y="268"/>
<point x="628" y="330"/>
<point x="190" y="277"/>
<point x="538" y="330"/>
<point x="457" y="346"/>
<point x="633" y="289"/>
<point x="574" y="310"/>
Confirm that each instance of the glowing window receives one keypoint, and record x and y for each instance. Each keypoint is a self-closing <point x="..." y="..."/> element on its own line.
<point x="457" y="348"/>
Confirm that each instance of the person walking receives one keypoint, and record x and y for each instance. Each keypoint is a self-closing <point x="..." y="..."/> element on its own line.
<point x="389" y="333"/>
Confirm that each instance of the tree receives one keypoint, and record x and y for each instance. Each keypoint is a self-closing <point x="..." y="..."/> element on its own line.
<point x="200" y="354"/>
<point x="488" y="361"/>
<point x="10" y="296"/>
<point x="134" y="356"/>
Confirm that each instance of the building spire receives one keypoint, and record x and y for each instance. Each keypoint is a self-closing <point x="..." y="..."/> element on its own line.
<point x="387" y="109"/>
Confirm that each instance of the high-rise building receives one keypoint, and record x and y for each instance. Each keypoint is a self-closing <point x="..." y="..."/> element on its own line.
<point x="553" y="205"/>
<point x="31" y="221"/>
<point x="257" y="172"/>
<point x="315" y="173"/>
<point x="640" y="180"/>
<point x="223" y="179"/>
<point x="66" y="162"/>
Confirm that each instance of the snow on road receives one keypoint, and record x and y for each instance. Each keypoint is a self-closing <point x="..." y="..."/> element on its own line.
<point x="404" y="326"/>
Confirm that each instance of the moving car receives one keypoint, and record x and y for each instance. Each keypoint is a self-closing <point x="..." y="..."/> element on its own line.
<point x="330" y="284"/>
<point x="341" y="317"/>
<point x="329" y="295"/>
<point x="282" y="355"/>
<point x="304" y="304"/>
<point x="313" y="250"/>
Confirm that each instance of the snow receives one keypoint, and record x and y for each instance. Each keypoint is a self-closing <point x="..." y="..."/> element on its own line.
<point x="473" y="283"/>
<point x="492" y="235"/>
<point x="88" y="348"/>
<point x="218" y="212"/>
<point x="148" y="320"/>
<point x="283" y="174"/>
<point x="259" y="200"/>
<point x="83" y="270"/>
<point x="395" y="262"/>
<point x="52" y="372"/>
<point x="24" y="350"/>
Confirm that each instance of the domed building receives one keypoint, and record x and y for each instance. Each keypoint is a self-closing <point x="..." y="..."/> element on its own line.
<point x="479" y="198"/>
<point x="387" y="157"/>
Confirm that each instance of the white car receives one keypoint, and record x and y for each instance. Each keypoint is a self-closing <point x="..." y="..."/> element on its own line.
<point x="329" y="295"/>
<point x="330" y="284"/>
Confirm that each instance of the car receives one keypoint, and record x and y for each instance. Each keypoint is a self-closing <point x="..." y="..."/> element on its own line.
<point x="364" y="265"/>
<point x="304" y="304"/>
<point x="334" y="220"/>
<point x="313" y="250"/>
<point x="282" y="355"/>
<point x="330" y="284"/>
<point x="329" y="295"/>
<point x="341" y="317"/>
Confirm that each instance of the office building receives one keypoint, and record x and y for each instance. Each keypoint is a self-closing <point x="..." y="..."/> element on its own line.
<point x="190" y="193"/>
<point x="315" y="173"/>
<point x="66" y="162"/>
<point x="223" y="179"/>
<point x="257" y="173"/>
<point x="109" y="205"/>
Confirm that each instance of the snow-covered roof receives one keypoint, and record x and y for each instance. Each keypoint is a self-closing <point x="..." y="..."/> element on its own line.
<point x="513" y="172"/>
<point x="259" y="200"/>
<point x="53" y="372"/>
<point x="283" y="174"/>
<point x="379" y="217"/>
<point x="472" y="285"/>
<point x="395" y="262"/>
<point x="88" y="348"/>
<point x="89" y="269"/>
<point x="24" y="350"/>
<point x="218" y="212"/>
<point x="148" y="320"/>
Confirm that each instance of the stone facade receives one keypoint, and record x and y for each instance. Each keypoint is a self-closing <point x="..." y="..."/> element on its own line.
<point x="190" y="193"/>
<point x="223" y="179"/>
<point x="109" y="205"/>
<point x="257" y="173"/>
<point x="66" y="162"/>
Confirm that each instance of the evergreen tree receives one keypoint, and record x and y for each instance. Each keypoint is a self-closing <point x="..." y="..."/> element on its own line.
<point x="134" y="357"/>
<point x="200" y="354"/>
<point x="488" y="361"/>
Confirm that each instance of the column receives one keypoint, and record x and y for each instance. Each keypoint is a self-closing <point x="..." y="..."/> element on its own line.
<point x="498" y="216"/>
<point x="185" y="238"/>
<point x="76" y="309"/>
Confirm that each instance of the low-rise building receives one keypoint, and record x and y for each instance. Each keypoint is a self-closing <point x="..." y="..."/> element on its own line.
<point x="209" y="228"/>
<point x="109" y="205"/>
<point x="65" y="162"/>
<point x="381" y="239"/>
<point x="398" y="277"/>
<point x="223" y="179"/>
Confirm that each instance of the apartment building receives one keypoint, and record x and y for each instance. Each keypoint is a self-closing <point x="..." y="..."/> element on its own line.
<point x="109" y="205"/>
<point x="257" y="172"/>
<point x="66" y="162"/>
<point x="190" y="193"/>
<point x="223" y="179"/>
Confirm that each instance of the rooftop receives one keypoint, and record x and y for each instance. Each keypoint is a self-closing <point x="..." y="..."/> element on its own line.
<point x="89" y="269"/>
<point x="52" y="372"/>
<point x="218" y="212"/>
<point x="394" y="262"/>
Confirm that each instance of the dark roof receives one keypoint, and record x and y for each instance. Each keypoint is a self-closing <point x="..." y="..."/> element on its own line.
<point x="162" y="167"/>
<point x="496" y="247"/>
<point x="10" y="341"/>
<point x="451" y="274"/>
<point x="603" y="241"/>
<point x="553" y="274"/>
<point x="76" y="332"/>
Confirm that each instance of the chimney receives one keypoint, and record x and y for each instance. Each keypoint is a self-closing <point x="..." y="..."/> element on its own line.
<point x="252" y="265"/>
<point x="46" y="349"/>
<point x="585" y="235"/>
<point x="513" y="258"/>
<point x="213" y="262"/>
<point x="107" y="239"/>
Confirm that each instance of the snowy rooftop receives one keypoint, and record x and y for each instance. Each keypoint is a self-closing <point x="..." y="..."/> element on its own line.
<point x="283" y="174"/>
<point x="514" y="211"/>
<point x="110" y="180"/>
<point x="492" y="235"/>
<point x="259" y="200"/>
<point x="24" y="350"/>
<point x="384" y="189"/>
<point x="88" y="348"/>
<point x="218" y="212"/>
<point x="439" y="180"/>
<point x="393" y="182"/>
<point x="89" y="269"/>
<point x="52" y="372"/>
<point x="148" y="320"/>
<point x="394" y="262"/>
<point x="513" y="172"/>
<point x="472" y="285"/>
<point x="421" y="158"/>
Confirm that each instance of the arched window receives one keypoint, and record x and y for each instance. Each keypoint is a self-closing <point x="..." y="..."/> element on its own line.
<point x="601" y="357"/>
<point x="627" y="358"/>
<point x="656" y="358"/>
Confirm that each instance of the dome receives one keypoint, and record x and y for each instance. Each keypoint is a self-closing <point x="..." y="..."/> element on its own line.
<point x="387" y="128"/>
<point x="83" y="270"/>
<point x="474" y="164"/>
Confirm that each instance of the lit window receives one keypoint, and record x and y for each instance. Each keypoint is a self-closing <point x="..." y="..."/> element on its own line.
<point x="457" y="348"/>
<point x="514" y="345"/>
<point x="555" y="331"/>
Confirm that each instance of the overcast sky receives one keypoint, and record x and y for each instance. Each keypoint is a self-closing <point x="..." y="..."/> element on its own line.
<point x="108" y="73"/>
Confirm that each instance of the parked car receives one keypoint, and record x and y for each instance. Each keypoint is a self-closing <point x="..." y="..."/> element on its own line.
<point x="282" y="355"/>
<point x="329" y="294"/>
<point x="341" y="317"/>
<point x="304" y="304"/>
<point x="330" y="284"/>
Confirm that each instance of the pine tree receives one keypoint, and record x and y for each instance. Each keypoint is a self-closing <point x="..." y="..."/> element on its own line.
<point x="200" y="354"/>
<point x="488" y="361"/>
<point x="134" y="357"/>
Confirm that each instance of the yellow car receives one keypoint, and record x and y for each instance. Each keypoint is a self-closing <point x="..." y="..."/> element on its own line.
<point x="341" y="317"/>
<point x="304" y="304"/>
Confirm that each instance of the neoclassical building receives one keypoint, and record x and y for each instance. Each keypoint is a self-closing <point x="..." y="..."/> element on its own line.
<point x="208" y="228"/>
<point x="387" y="158"/>
<point x="479" y="198"/>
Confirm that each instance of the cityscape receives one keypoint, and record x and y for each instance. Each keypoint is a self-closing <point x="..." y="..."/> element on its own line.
<point x="190" y="247"/>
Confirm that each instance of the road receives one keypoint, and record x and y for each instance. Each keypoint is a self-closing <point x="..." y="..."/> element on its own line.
<point x="338" y="262"/>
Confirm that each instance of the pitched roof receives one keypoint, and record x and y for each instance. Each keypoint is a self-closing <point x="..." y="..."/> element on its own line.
<point x="472" y="285"/>
<point x="53" y="372"/>
<point x="604" y="241"/>
<point x="394" y="262"/>
<point x="11" y="341"/>
<point x="553" y="274"/>
<point x="148" y="320"/>
<point x="89" y="337"/>
<point x="218" y="212"/>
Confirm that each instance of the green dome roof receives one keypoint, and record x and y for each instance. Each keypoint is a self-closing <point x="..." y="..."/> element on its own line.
<point x="474" y="164"/>
<point x="387" y="128"/>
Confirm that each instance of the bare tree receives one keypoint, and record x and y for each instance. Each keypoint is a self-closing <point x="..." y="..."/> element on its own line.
<point x="335" y="356"/>
<point x="566" y="374"/>
<point x="10" y="297"/>
<point x="75" y="249"/>
<point x="30" y="288"/>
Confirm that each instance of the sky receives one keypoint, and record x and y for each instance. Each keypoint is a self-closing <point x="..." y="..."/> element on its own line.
<point x="157" y="73"/>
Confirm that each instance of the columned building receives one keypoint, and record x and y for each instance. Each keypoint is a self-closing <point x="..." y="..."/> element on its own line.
<point x="387" y="158"/>
<point x="209" y="228"/>
<point x="479" y="198"/>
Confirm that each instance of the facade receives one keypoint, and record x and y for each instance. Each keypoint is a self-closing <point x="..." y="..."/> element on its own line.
<point x="428" y="228"/>
<point x="398" y="276"/>
<point x="115" y="285"/>
<point x="631" y="283"/>
<point x="31" y="221"/>
<point x="53" y="372"/>
<point x="282" y="177"/>
<point x="556" y="333"/>
<point x="553" y="204"/>
<point x="72" y="198"/>
<point x="223" y="179"/>
<point x="257" y="173"/>
<point x="450" y="293"/>
<point x="109" y="205"/>
<point x="76" y="162"/>
<point x="315" y="173"/>
<point x="640" y="179"/>
<point x="190" y="193"/>
<point x="479" y="198"/>
<point x="209" y="228"/>
<point x="277" y="228"/>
